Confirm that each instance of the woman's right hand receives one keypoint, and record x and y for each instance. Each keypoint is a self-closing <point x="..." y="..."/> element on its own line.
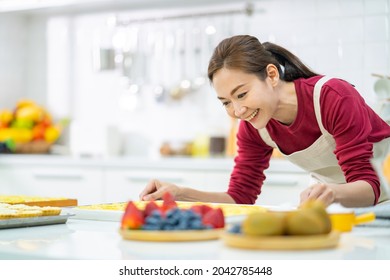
<point x="155" y="189"/>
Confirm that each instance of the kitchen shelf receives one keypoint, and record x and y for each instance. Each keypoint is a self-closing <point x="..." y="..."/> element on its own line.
<point x="93" y="6"/>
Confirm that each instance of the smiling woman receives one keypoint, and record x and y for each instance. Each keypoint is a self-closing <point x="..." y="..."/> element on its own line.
<point x="321" y="124"/>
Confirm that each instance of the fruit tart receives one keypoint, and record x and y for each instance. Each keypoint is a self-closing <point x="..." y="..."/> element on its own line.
<point x="168" y="222"/>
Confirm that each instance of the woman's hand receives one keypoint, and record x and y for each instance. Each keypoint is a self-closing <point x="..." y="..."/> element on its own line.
<point x="155" y="189"/>
<point x="319" y="191"/>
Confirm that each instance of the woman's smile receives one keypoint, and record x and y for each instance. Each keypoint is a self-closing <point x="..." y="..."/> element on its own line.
<point x="254" y="114"/>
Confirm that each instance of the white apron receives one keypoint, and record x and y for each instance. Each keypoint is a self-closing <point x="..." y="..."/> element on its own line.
<point x="319" y="159"/>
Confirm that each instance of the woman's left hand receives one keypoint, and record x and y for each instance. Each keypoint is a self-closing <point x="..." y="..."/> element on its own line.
<point x="319" y="191"/>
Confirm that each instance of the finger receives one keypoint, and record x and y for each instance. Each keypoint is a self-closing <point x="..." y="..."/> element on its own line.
<point x="327" y="197"/>
<point x="156" y="195"/>
<point x="304" y="195"/>
<point x="311" y="193"/>
<point x="150" y="188"/>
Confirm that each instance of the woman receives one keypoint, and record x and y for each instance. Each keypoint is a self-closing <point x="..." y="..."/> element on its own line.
<point x="321" y="124"/>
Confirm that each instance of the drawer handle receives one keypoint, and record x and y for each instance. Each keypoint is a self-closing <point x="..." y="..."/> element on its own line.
<point x="69" y="177"/>
<point x="147" y="179"/>
<point x="282" y="183"/>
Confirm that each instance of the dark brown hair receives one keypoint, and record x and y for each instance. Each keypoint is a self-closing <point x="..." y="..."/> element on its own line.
<point x="246" y="53"/>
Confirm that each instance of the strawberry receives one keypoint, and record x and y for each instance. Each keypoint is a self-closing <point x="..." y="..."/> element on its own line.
<point x="133" y="218"/>
<point x="168" y="202"/>
<point x="150" y="207"/>
<point x="214" y="218"/>
<point x="201" y="209"/>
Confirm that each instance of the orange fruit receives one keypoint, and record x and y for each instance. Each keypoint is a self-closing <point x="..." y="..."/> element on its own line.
<point x="386" y="168"/>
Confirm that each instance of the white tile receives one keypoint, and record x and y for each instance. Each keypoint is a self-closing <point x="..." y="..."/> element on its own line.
<point x="352" y="29"/>
<point x="376" y="7"/>
<point x="328" y="59"/>
<point x="304" y="32"/>
<point x="376" y="57"/>
<point x="328" y="31"/>
<point x="303" y="9"/>
<point x="309" y="55"/>
<point x="328" y="9"/>
<point x="351" y="7"/>
<point x="353" y="57"/>
<point x="376" y="28"/>
<point x="282" y="8"/>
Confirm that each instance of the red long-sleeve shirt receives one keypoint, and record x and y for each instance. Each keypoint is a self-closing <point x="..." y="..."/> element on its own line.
<point x="345" y="115"/>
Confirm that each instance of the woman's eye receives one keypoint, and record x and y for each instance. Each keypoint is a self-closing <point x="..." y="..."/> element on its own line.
<point x="241" y="95"/>
<point x="226" y="103"/>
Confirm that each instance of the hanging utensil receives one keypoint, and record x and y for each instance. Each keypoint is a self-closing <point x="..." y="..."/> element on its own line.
<point x="199" y="78"/>
<point x="157" y="67"/>
<point x="184" y="85"/>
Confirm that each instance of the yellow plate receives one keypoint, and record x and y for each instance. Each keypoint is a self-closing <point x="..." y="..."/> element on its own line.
<point x="307" y="242"/>
<point x="171" y="235"/>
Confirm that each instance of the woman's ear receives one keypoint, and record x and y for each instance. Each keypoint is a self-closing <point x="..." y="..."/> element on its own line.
<point x="273" y="74"/>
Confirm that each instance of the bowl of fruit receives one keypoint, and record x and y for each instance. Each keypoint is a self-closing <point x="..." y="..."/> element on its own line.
<point x="168" y="222"/>
<point x="28" y="128"/>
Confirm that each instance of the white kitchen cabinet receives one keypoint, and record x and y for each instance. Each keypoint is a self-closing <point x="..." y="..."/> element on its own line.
<point x="123" y="184"/>
<point x="280" y="187"/>
<point x="283" y="188"/>
<point x="83" y="184"/>
<point x="122" y="179"/>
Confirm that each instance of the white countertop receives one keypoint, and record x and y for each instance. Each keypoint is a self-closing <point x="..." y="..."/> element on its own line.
<point x="100" y="240"/>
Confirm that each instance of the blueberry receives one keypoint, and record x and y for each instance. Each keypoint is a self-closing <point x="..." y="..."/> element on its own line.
<point x="173" y="213"/>
<point x="196" y="224"/>
<point x="151" y="227"/>
<point x="168" y="227"/>
<point x="153" y="220"/>
<point x="155" y="213"/>
<point x="236" y="228"/>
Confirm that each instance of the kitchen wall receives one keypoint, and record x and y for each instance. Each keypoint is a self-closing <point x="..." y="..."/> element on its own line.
<point x="52" y="58"/>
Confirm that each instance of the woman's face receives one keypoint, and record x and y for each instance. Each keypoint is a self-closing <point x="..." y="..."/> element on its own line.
<point x="245" y="96"/>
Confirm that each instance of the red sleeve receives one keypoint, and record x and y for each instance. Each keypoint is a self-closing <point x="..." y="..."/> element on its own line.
<point x="346" y="116"/>
<point x="253" y="157"/>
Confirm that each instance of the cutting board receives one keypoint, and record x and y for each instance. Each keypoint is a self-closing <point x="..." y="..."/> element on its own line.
<point x="308" y="242"/>
<point x="59" y="203"/>
<point x="38" y="201"/>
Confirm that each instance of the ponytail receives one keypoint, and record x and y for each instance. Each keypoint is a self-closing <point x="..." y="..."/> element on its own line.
<point x="293" y="66"/>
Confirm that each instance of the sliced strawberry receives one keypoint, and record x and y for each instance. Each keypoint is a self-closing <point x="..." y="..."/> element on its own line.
<point x="133" y="218"/>
<point x="214" y="218"/>
<point x="150" y="207"/>
<point x="201" y="209"/>
<point x="168" y="202"/>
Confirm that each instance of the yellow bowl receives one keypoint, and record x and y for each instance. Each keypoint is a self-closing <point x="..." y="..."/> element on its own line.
<point x="344" y="222"/>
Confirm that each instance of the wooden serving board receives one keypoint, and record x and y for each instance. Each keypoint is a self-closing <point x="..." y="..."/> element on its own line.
<point x="308" y="242"/>
<point x="38" y="201"/>
<point x="58" y="203"/>
<point x="171" y="235"/>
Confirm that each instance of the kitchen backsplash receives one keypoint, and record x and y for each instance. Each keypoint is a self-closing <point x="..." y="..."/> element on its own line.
<point x="80" y="72"/>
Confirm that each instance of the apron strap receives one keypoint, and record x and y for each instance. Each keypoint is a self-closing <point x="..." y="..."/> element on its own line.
<point x="267" y="138"/>
<point x="316" y="99"/>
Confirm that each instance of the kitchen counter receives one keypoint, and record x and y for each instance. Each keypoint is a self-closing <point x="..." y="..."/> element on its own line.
<point x="98" y="240"/>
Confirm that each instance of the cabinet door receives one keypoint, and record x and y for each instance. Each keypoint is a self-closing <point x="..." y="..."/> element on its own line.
<point x="217" y="181"/>
<point x="123" y="185"/>
<point x="279" y="188"/>
<point x="283" y="189"/>
<point x="83" y="184"/>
